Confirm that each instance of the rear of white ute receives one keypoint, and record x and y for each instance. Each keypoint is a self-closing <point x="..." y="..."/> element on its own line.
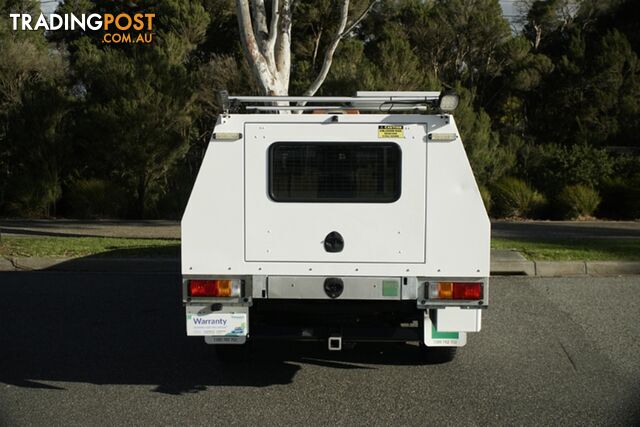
<point x="336" y="227"/>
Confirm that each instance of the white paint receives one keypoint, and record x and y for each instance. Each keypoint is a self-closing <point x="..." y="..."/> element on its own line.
<point x="454" y="228"/>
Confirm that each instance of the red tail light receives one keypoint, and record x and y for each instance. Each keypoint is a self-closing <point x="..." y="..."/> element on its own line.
<point x="467" y="291"/>
<point x="455" y="290"/>
<point x="214" y="288"/>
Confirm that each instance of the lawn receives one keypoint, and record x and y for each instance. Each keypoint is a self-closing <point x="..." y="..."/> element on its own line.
<point x="64" y="247"/>
<point x="574" y="249"/>
<point x="74" y="247"/>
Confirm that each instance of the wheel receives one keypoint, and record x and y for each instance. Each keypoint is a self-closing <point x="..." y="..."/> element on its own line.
<point x="437" y="355"/>
<point x="233" y="353"/>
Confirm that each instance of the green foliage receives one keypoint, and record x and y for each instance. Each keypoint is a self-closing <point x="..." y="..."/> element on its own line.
<point x="515" y="198"/>
<point x="552" y="167"/>
<point x="578" y="201"/>
<point x="78" y="116"/>
<point x="486" y="198"/>
<point x="136" y="117"/>
<point x="94" y="198"/>
<point x="592" y="96"/>
<point x="39" y="154"/>
<point x="459" y="39"/>
<point x="620" y="199"/>
<point x="397" y="67"/>
<point x="489" y="159"/>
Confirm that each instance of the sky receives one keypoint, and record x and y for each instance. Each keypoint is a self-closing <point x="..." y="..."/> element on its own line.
<point x="508" y="8"/>
<point x="48" y="6"/>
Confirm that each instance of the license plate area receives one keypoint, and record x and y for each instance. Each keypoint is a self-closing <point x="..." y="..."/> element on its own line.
<point x="435" y="338"/>
<point x="229" y="322"/>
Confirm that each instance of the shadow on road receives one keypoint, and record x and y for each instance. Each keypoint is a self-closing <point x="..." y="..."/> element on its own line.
<point x="107" y="328"/>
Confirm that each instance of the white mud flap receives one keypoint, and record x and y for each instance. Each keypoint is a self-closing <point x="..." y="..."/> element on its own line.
<point x="230" y="325"/>
<point x="434" y="338"/>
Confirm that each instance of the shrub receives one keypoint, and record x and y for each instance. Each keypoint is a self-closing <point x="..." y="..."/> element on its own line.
<point x="620" y="199"/>
<point x="94" y="198"/>
<point x="513" y="197"/>
<point x="577" y="201"/>
<point x="551" y="167"/>
<point x="486" y="197"/>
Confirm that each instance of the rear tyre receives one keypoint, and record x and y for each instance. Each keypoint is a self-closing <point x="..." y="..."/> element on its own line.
<point x="438" y="355"/>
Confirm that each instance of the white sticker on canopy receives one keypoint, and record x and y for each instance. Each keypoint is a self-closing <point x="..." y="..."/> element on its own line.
<point x="216" y="323"/>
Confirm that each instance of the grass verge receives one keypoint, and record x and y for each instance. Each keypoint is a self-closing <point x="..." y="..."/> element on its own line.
<point x="574" y="249"/>
<point x="75" y="247"/>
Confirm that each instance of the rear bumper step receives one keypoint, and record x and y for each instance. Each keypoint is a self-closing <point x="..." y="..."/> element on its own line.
<point x="291" y="333"/>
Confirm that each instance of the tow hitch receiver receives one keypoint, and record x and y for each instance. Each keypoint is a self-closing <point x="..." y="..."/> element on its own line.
<point x="335" y="343"/>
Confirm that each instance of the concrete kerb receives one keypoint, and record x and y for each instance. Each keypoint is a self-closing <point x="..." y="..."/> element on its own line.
<point x="560" y="268"/>
<point x="172" y="265"/>
<point x="607" y="268"/>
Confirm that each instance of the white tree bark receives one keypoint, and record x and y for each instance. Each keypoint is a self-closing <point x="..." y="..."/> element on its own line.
<point x="267" y="45"/>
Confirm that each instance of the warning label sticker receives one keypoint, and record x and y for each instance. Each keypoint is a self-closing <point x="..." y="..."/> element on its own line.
<point x="390" y="131"/>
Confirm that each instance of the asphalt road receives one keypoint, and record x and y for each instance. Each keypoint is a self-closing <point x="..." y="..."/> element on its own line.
<point x="95" y="349"/>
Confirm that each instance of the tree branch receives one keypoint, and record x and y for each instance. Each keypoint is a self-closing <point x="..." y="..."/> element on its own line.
<point x="257" y="61"/>
<point x="328" y="55"/>
<point x="283" y="44"/>
<point x="259" y="15"/>
<point x="315" y="47"/>
<point x="360" y="18"/>
<point x="273" y="30"/>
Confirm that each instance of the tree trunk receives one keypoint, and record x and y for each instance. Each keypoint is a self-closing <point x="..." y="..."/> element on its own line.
<point x="267" y="45"/>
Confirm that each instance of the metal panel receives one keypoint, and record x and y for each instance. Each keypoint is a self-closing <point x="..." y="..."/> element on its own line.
<point x="373" y="232"/>
<point x="360" y="288"/>
<point x="457" y="227"/>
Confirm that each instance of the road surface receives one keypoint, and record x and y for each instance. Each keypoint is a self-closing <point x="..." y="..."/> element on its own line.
<point x="95" y="349"/>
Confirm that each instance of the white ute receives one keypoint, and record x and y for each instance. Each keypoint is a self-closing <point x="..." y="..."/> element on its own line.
<point x="357" y="219"/>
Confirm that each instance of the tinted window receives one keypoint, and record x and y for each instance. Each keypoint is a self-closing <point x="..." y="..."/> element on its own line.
<point x="334" y="172"/>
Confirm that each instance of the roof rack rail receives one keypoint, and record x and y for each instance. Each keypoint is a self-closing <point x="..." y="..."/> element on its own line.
<point x="364" y="100"/>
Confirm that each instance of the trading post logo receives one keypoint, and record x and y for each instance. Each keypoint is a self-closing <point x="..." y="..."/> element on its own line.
<point x="121" y="28"/>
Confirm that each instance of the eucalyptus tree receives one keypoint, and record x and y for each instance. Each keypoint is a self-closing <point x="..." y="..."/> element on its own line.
<point x="267" y="39"/>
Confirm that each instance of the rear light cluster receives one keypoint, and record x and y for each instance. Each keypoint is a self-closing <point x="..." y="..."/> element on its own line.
<point x="455" y="290"/>
<point x="214" y="288"/>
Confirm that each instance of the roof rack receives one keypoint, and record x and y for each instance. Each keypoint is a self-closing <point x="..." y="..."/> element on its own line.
<point x="364" y="101"/>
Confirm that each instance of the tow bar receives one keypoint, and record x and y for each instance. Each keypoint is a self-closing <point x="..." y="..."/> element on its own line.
<point x="335" y="343"/>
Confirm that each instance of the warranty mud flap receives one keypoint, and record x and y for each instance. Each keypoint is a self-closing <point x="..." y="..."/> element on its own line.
<point x="227" y="325"/>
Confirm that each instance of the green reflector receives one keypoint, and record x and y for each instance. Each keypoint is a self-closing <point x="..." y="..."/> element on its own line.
<point x="389" y="288"/>
<point x="443" y="335"/>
